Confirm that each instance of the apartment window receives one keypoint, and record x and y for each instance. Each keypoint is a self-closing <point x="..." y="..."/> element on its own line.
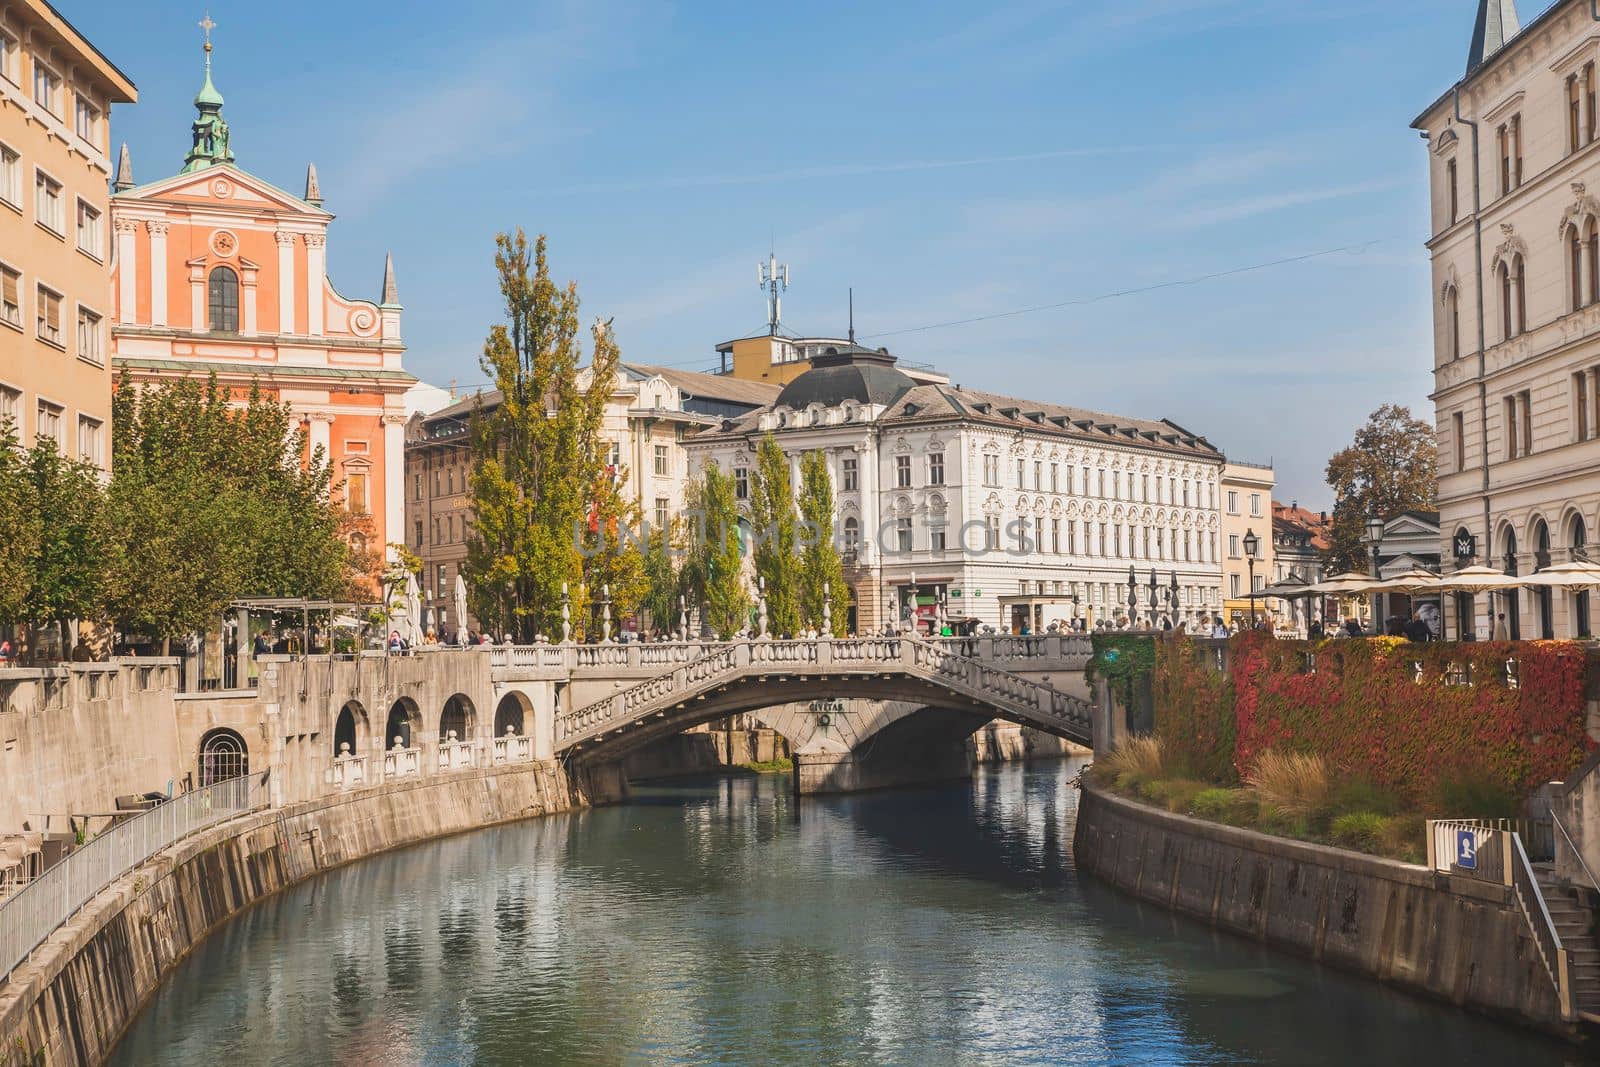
<point x="1055" y="478"/>
<point x="48" y="422"/>
<point x="10" y="177"/>
<point x="902" y="472"/>
<point x="1038" y="534"/>
<point x="850" y="471"/>
<point x="90" y="230"/>
<point x="435" y="531"/>
<point x="90" y="438"/>
<point x="87" y="120"/>
<point x="1055" y="536"/>
<point x="1580" y="396"/>
<point x="1255" y="504"/>
<point x="1233" y="585"/>
<point x="46" y="88"/>
<point x="902" y="534"/>
<point x="1574" y="114"/>
<point x="438" y="481"/>
<point x="662" y="517"/>
<point x="1518" y="431"/>
<point x="614" y="454"/>
<point x="450" y="481"/>
<point x="416" y="490"/>
<point x="936" y="538"/>
<point x="936" y="468"/>
<point x="91" y="346"/>
<point x="222" y="292"/>
<point x="444" y="579"/>
<point x="1233" y="502"/>
<point x="10" y="297"/>
<point x="49" y="316"/>
<point x="1233" y="546"/>
<point x="1525" y="403"/>
<point x="417" y="533"/>
<point x="47" y="202"/>
<point x="1022" y="474"/>
<point x="1452" y="191"/>
<point x="1072" y="537"/>
<point x="1038" y="476"/>
<point x="993" y="522"/>
<point x="991" y="470"/>
<point x="1458" y="430"/>
<point x="8" y="406"/>
<point x="1509" y="138"/>
<point x="663" y="464"/>
<point x="741" y="483"/>
<point x="1588" y="102"/>
<point x="8" y="57"/>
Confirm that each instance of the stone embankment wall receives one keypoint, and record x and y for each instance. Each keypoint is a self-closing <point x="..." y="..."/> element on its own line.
<point x="1006" y="742"/>
<point x="708" y="749"/>
<point x="68" y="1006"/>
<point x="1463" y="941"/>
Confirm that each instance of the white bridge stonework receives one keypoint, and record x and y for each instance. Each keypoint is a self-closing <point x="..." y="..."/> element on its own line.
<point x="77" y="737"/>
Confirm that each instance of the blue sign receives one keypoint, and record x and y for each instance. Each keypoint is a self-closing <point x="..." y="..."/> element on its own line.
<point x="1467" y="850"/>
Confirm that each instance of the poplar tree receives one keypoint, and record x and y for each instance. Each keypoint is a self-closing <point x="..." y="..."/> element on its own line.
<point x="821" y="570"/>
<point x="772" y="514"/>
<point x="713" y="571"/>
<point x="539" y="484"/>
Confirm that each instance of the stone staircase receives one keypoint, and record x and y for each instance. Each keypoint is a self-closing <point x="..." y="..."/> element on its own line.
<point x="1574" y="920"/>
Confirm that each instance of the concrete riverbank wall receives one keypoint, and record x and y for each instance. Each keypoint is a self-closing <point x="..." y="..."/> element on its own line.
<point x="68" y="1006"/>
<point x="1462" y="941"/>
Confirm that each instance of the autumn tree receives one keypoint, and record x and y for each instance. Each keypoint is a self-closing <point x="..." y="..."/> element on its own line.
<point x="776" y="533"/>
<point x="539" y="456"/>
<point x="821" y="570"/>
<point x="1392" y="466"/>
<point x="19" y="529"/>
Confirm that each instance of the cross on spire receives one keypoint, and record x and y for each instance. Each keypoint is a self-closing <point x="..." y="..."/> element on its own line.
<point x="207" y="25"/>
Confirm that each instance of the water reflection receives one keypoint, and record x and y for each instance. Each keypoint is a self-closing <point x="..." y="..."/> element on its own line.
<point x="722" y="922"/>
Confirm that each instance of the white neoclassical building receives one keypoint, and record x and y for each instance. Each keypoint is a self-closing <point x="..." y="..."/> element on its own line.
<point x="955" y="504"/>
<point x="1514" y="147"/>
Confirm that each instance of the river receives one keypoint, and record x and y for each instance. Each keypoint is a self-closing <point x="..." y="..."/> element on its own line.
<point x="725" y="922"/>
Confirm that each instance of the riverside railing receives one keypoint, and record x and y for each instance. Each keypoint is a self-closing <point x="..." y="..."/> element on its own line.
<point x="39" y="908"/>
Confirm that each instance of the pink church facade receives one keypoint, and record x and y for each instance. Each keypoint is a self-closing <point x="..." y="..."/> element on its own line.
<point x="215" y="271"/>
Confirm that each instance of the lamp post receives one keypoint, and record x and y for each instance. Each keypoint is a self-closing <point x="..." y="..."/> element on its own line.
<point x="1374" y="538"/>
<point x="1252" y="544"/>
<point x="1133" y="596"/>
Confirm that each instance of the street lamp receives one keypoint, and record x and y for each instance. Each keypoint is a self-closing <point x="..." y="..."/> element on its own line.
<point x="1374" y="537"/>
<point x="1133" y="596"/>
<point x="1251" y="544"/>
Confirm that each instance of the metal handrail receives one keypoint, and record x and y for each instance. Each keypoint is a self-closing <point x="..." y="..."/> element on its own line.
<point x="1556" y="819"/>
<point x="1545" y="936"/>
<point x="38" y="909"/>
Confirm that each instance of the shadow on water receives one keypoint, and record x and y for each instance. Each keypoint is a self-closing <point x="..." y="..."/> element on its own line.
<point x="722" y="921"/>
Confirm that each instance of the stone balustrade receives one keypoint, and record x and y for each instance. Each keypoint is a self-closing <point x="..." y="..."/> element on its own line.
<point x="454" y="755"/>
<point x="402" y="762"/>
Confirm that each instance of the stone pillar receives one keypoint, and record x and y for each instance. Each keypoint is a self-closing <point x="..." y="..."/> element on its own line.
<point x="286" y="286"/>
<point x="316" y="273"/>
<point x="197" y="296"/>
<point x="394" y="518"/>
<point x="321" y="427"/>
<point x="158" y="271"/>
<point x="247" y="284"/>
<point x="127" y="271"/>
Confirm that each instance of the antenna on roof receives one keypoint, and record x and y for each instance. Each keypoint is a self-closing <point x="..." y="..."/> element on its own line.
<point x="774" y="278"/>
<point x="852" y="315"/>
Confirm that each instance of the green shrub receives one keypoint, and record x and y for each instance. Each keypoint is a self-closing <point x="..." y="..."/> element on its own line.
<point x="1358" y="829"/>
<point x="1473" y="793"/>
<point x="1235" y="807"/>
<point x="1404" y="837"/>
<point x="1357" y="793"/>
<point x="1174" y="794"/>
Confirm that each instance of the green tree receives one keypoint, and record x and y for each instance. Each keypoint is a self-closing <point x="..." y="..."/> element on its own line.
<point x="1392" y="466"/>
<point x="662" y="579"/>
<point x="772" y="513"/>
<point x="612" y="560"/>
<point x="712" y="573"/>
<point x="19" y="529"/>
<point x="539" y="455"/>
<point x="212" y="501"/>
<point x="67" y="564"/>
<point x="821" y="570"/>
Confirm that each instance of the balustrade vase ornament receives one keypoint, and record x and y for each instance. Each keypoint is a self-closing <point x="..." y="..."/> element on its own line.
<point x="827" y="611"/>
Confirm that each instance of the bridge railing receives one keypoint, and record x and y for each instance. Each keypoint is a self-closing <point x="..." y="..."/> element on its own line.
<point x="39" y="908"/>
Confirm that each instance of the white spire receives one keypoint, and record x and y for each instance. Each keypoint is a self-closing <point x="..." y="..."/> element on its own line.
<point x="1497" y="23"/>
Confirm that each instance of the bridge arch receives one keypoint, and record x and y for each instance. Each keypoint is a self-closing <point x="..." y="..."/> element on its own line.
<point x="458" y="716"/>
<point x="350" y="729"/>
<point x="404" y="723"/>
<point x="515" y="711"/>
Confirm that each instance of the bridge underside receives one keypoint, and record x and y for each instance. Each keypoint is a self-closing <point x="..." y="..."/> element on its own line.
<point x="893" y="730"/>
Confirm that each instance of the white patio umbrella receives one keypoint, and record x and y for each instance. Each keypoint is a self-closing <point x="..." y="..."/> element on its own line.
<point x="1478" y="579"/>
<point x="413" y="630"/>
<point x="461" y="602"/>
<point x="1577" y="576"/>
<point x="1412" y="581"/>
<point x="1340" y="584"/>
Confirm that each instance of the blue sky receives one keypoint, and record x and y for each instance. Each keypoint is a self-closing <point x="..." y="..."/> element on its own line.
<point x="948" y="160"/>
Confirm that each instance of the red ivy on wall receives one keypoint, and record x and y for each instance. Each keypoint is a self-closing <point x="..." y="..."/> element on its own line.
<point x="1403" y="715"/>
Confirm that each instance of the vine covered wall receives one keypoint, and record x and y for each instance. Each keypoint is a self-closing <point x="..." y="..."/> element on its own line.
<point x="1405" y="716"/>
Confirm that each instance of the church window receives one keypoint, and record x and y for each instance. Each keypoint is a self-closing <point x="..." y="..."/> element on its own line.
<point x="223" y="303"/>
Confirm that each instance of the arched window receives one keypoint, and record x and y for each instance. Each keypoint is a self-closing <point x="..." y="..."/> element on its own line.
<point x="456" y="719"/>
<point x="1522" y="294"/>
<point x="1508" y="325"/>
<point x="223" y="755"/>
<point x="1544" y="596"/>
<point x="1580" y="601"/>
<point x="1512" y="604"/>
<point x="222" y="292"/>
<point x="1591" y="245"/>
<point x="1575" y="266"/>
<point x="398" y="730"/>
<point x="852" y="534"/>
<point x="344" y="732"/>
